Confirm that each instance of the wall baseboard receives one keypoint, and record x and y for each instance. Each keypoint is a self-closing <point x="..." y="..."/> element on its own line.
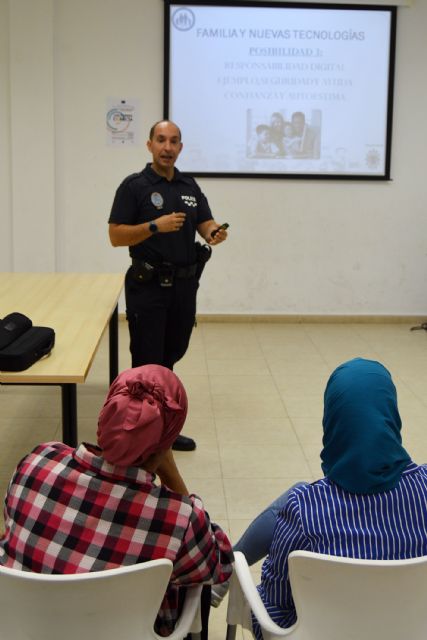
<point x="300" y="319"/>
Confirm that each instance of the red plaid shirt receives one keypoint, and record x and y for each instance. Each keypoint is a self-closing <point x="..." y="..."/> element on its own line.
<point x="69" y="511"/>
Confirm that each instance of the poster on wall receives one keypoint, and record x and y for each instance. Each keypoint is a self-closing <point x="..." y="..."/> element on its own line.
<point x="122" y="122"/>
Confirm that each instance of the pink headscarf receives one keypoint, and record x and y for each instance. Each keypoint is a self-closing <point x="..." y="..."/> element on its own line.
<point x="144" y="412"/>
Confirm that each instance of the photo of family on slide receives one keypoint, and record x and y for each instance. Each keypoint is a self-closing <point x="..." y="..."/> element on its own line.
<point x="282" y="138"/>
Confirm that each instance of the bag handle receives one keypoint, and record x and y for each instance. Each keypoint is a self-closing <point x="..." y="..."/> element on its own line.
<point x="12" y="326"/>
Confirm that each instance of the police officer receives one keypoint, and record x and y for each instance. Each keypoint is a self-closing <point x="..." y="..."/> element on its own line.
<point x="156" y="213"/>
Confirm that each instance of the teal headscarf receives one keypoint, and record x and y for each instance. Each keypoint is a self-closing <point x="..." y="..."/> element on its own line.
<point x="362" y="445"/>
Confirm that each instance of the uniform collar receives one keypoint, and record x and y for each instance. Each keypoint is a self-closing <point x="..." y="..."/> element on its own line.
<point x="154" y="177"/>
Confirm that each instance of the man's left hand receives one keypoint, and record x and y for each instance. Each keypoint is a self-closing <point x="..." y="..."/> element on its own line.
<point x="220" y="236"/>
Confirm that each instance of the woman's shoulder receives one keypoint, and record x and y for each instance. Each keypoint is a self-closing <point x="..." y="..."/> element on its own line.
<point x="414" y="468"/>
<point x="307" y="490"/>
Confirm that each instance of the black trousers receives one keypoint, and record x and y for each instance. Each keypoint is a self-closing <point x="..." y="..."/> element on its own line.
<point x="160" y="319"/>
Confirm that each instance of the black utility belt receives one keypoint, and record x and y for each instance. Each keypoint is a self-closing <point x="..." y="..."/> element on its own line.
<point x="165" y="273"/>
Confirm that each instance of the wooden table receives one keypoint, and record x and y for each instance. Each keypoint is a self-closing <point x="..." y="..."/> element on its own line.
<point x="78" y="306"/>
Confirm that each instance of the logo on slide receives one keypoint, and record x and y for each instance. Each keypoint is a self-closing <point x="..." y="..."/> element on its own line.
<point x="183" y="19"/>
<point x="373" y="158"/>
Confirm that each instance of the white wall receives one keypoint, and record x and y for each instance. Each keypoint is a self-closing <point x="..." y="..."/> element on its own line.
<point x="31" y="108"/>
<point x="6" y="259"/>
<point x="295" y="247"/>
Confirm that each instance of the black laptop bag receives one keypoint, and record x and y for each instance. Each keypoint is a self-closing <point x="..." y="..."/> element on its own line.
<point x="21" y="344"/>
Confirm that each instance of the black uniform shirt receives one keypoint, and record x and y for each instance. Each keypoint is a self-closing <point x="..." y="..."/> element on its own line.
<point x="145" y="196"/>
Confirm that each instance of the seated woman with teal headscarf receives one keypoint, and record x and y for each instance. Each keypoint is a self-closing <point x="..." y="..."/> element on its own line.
<point x="372" y="502"/>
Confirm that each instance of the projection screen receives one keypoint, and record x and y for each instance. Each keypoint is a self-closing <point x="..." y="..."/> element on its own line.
<point x="281" y="89"/>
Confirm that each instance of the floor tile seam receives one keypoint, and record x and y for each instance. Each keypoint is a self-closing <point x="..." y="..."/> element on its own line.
<point x="292" y="478"/>
<point x="272" y="377"/>
<point x="301" y="444"/>
<point x="400" y="383"/>
<point x="306" y="457"/>
<point x="218" y="449"/>
<point x="368" y="347"/>
<point x="316" y="347"/>
<point x="221" y="467"/>
<point x="369" y="341"/>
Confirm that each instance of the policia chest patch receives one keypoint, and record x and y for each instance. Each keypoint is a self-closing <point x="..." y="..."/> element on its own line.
<point x="190" y="201"/>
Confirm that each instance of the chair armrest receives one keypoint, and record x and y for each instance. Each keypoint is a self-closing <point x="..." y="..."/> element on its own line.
<point x="190" y="619"/>
<point x="244" y="597"/>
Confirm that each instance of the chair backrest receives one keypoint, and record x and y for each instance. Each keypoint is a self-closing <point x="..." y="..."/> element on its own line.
<point x="115" y="603"/>
<point x="343" y="598"/>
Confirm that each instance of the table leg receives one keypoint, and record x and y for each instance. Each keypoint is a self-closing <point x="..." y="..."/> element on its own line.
<point x="114" y="344"/>
<point x="231" y="632"/>
<point x="69" y="414"/>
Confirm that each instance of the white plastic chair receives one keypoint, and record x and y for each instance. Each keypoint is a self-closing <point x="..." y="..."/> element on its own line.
<point x="115" y="604"/>
<point x="339" y="599"/>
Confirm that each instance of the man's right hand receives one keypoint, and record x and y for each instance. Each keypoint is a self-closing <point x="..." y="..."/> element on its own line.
<point x="170" y="222"/>
<point x="128" y="235"/>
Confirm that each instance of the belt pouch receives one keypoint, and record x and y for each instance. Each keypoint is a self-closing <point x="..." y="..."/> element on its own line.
<point x="166" y="274"/>
<point x="142" y="271"/>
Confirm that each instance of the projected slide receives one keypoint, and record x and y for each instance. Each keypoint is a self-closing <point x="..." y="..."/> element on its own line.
<point x="279" y="90"/>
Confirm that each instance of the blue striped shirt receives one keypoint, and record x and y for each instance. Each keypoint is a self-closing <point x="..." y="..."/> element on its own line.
<point x="324" y="518"/>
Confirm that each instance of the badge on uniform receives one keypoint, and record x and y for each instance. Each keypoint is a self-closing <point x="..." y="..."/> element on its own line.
<point x="157" y="200"/>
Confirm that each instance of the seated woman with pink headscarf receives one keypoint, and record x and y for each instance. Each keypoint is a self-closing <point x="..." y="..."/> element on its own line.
<point x="98" y="507"/>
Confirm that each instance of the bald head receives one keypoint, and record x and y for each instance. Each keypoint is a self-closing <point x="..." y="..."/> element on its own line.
<point x="161" y="124"/>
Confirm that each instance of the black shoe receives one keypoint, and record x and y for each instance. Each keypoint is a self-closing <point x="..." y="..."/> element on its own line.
<point x="182" y="443"/>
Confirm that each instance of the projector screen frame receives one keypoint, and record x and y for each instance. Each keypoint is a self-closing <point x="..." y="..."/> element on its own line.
<point x="391" y="9"/>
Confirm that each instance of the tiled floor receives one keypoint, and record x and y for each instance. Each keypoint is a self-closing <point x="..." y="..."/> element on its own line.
<point x="255" y="408"/>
